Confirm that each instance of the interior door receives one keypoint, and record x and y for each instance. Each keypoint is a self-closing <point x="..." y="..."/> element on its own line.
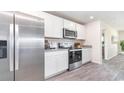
<point x="6" y="46"/>
<point x="29" y="48"/>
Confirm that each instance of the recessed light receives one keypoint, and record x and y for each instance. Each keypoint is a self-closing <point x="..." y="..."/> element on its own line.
<point x="91" y="17"/>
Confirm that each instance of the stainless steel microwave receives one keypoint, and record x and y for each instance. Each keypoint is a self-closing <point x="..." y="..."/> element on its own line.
<point x="69" y="33"/>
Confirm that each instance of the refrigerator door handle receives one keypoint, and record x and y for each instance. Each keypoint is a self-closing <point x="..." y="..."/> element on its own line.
<point x="16" y="47"/>
<point x="11" y="50"/>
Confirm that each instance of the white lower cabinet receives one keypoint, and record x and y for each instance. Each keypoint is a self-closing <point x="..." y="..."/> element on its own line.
<point x="50" y="64"/>
<point x="86" y="55"/>
<point x="55" y="62"/>
<point x="62" y="61"/>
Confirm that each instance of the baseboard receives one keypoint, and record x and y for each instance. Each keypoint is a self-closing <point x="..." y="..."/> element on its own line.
<point x="111" y="57"/>
<point x="121" y="53"/>
<point x="53" y="75"/>
<point x="97" y="62"/>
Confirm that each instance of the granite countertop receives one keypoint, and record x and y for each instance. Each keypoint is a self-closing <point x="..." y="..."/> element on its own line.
<point x="86" y="46"/>
<point x="59" y="49"/>
<point x="53" y="50"/>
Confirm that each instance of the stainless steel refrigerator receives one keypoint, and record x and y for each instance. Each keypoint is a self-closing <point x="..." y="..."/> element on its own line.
<point x="21" y="47"/>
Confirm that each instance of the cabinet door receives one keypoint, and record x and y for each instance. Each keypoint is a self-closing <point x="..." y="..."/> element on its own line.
<point x="48" y="25"/>
<point x="89" y="54"/>
<point x="84" y="56"/>
<point x="57" y="27"/>
<point x="53" y="26"/>
<point x="80" y="31"/>
<point x="55" y="62"/>
<point x="50" y="64"/>
<point x="69" y="25"/>
<point x="62" y="61"/>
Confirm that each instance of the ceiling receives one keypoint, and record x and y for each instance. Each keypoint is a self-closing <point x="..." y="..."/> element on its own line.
<point x="112" y="18"/>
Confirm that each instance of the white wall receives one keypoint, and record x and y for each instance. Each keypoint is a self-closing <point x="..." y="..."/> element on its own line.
<point x="93" y="37"/>
<point x="111" y="49"/>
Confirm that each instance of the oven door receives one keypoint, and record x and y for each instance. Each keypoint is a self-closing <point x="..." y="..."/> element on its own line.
<point x="75" y="59"/>
<point x="75" y="56"/>
<point x="69" y="33"/>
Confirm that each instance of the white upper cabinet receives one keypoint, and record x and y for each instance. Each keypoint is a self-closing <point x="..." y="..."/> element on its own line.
<point x="80" y="31"/>
<point x="53" y="26"/>
<point x="69" y="25"/>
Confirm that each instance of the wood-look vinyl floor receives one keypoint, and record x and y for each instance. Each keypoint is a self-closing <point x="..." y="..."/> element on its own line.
<point x="112" y="70"/>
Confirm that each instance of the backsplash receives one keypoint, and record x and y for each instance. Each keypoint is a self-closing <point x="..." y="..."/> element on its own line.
<point x="54" y="42"/>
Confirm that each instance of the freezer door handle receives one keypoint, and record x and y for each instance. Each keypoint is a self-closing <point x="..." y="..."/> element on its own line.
<point x="11" y="46"/>
<point x="16" y="47"/>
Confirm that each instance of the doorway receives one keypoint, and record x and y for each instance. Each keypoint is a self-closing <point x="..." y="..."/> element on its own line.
<point x="103" y="45"/>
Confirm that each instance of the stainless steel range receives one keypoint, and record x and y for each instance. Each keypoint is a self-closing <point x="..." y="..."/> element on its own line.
<point x="75" y="55"/>
<point x="75" y="58"/>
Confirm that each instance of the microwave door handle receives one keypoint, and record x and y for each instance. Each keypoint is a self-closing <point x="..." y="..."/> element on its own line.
<point x="64" y="32"/>
<point x="76" y="34"/>
<point x="16" y="47"/>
